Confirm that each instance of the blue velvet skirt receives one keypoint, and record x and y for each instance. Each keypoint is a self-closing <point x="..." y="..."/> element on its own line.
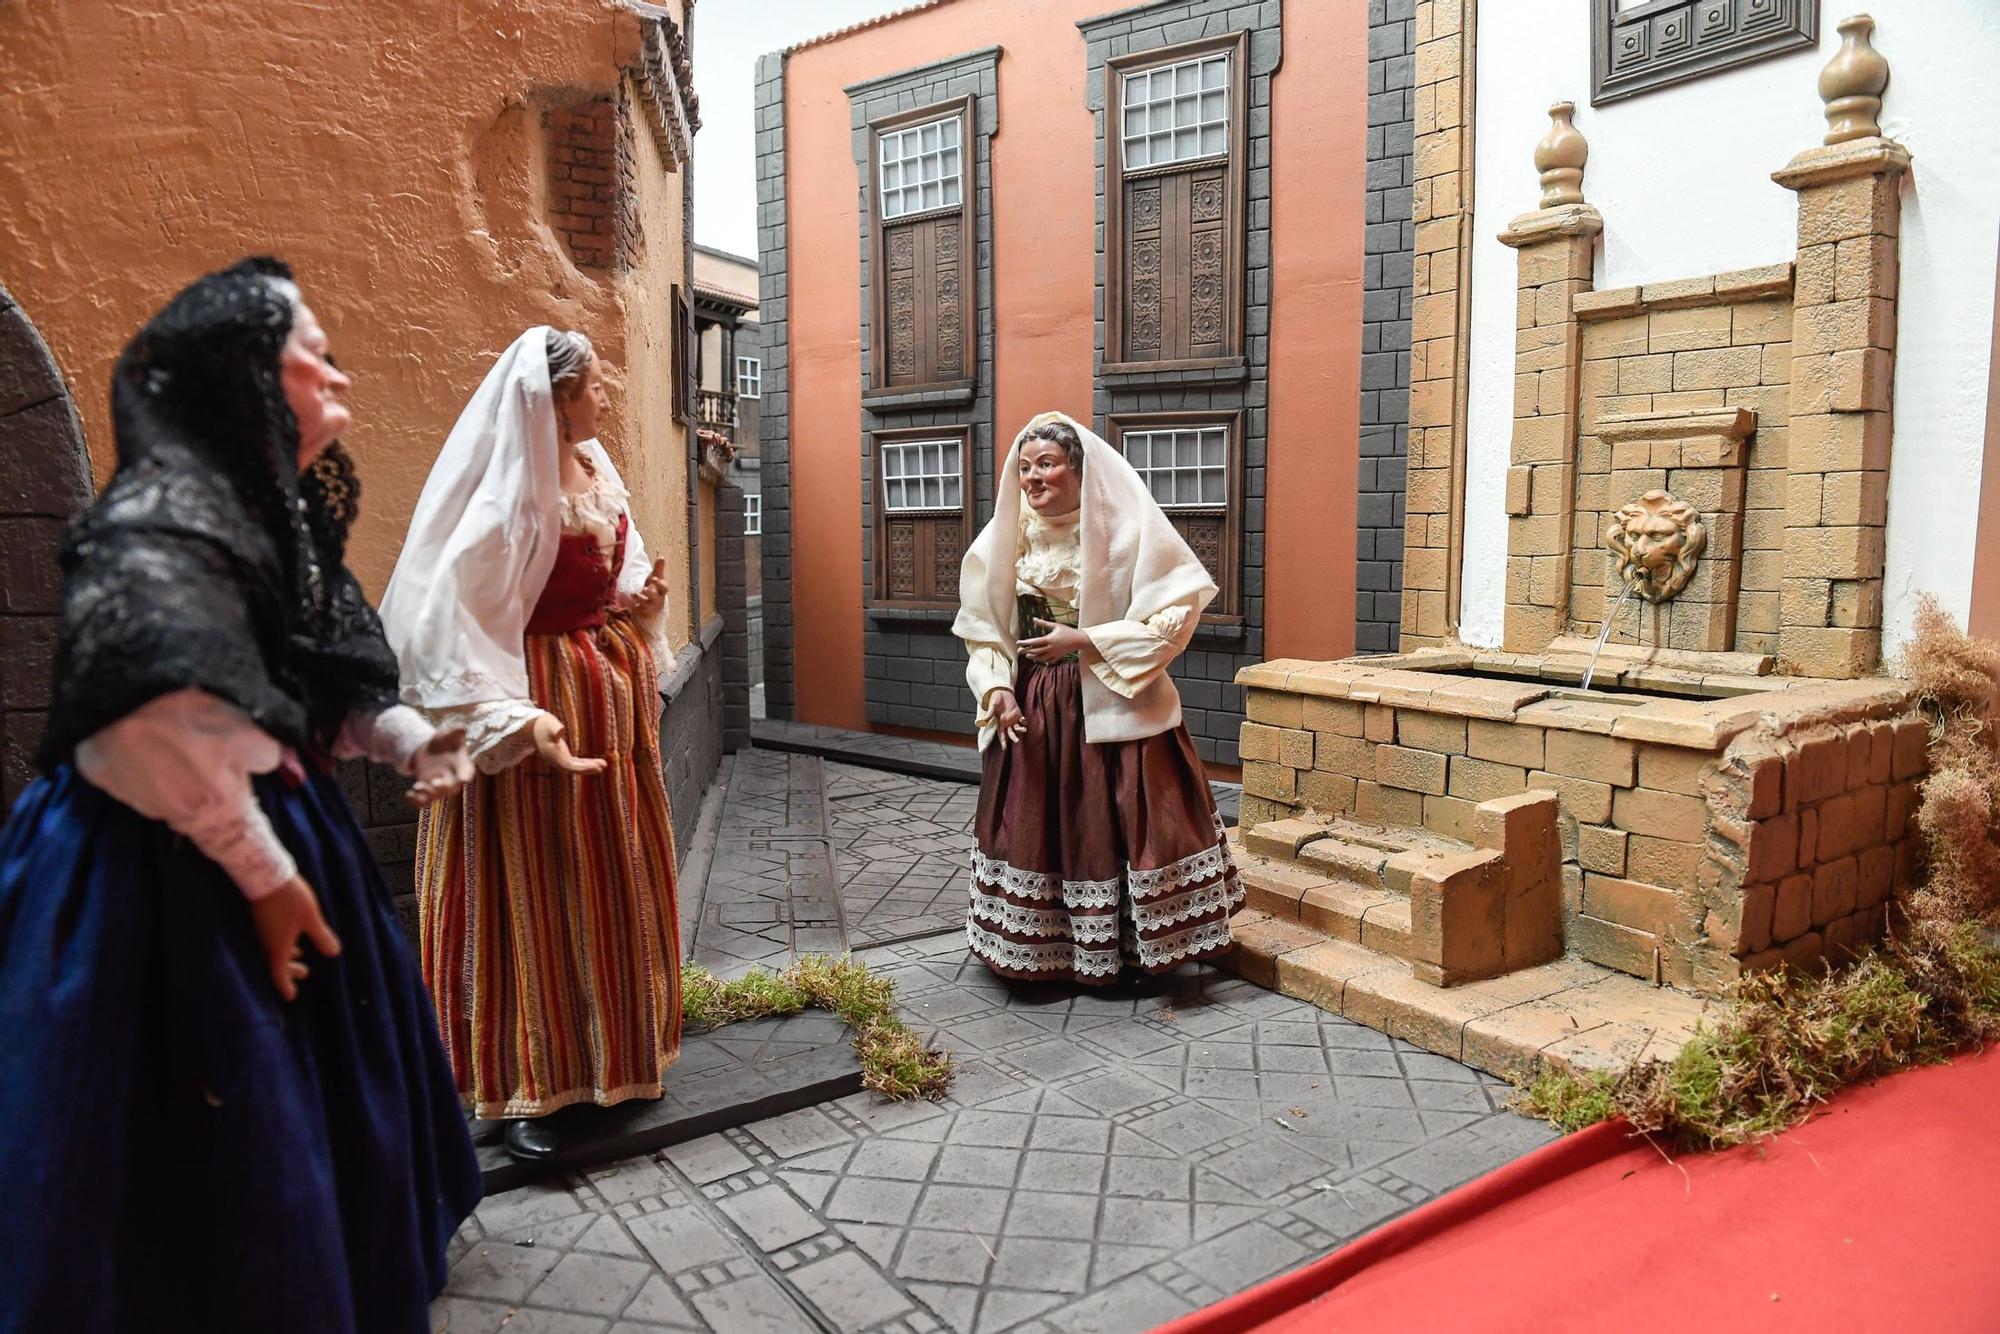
<point x="179" y="1148"/>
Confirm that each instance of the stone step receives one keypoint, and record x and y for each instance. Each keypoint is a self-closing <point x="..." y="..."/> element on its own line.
<point x="1570" y="1014"/>
<point x="1456" y="911"/>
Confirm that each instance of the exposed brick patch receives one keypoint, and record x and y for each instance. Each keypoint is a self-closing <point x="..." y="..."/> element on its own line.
<point x="592" y="203"/>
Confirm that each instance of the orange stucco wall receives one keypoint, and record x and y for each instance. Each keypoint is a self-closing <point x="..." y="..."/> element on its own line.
<point x="1319" y="143"/>
<point x="1044" y="281"/>
<point x="393" y="154"/>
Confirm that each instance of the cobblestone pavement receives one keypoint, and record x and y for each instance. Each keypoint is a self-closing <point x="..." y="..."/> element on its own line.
<point x="770" y="884"/>
<point x="901" y="848"/>
<point x="1105" y="1161"/>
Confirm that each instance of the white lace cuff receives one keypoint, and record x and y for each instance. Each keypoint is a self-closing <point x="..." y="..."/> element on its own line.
<point x="499" y="734"/>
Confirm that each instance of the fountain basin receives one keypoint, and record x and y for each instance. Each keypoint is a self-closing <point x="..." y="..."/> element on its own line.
<point x="1714" y="818"/>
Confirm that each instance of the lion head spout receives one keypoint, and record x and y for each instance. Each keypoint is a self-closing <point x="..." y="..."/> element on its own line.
<point x="1656" y="541"/>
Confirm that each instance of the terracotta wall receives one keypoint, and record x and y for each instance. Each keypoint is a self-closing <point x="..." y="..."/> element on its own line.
<point x="1044" y="279"/>
<point x="395" y="159"/>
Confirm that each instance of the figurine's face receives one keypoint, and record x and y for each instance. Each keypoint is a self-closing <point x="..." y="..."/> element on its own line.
<point x="1048" y="483"/>
<point x="584" y="402"/>
<point x="313" y="386"/>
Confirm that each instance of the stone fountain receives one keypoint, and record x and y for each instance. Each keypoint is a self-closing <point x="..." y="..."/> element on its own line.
<point x="1460" y="845"/>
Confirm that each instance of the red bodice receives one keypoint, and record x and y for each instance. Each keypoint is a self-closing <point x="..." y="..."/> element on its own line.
<point x="581" y="587"/>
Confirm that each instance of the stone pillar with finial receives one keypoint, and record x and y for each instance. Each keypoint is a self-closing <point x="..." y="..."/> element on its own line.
<point x="1554" y="246"/>
<point x="1843" y="370"/>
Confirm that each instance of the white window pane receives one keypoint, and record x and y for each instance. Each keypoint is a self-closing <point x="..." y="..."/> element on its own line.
<point x="1135" y="121"/>
<point x="1212" y="141"/>
<point x="1186" y="78"/>
<point x="951" y="193"/>
<point x="930" y="139"/>
<point x="1184" y="447"/>
<point x="892" y="494"/>
<point x="1137" y="154"/>
<point x="1162" y="117"/>
<point x="948" y="163"/>
<point x="933" y="493"/>
<point x="933" y="196"/>
<point x="1215" y="72"/>
<point x="1187" y="110"/>
<point x="1214" y="107"/>
<point x="951" y="458"/>
<point x="953" y="487"/>
<point x="1185" y="144"/>
<point x="951" y="133"/>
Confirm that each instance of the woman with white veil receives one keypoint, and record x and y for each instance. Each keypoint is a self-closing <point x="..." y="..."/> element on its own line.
<point x="1098" y="844"/>
<point x="523" y="609"/>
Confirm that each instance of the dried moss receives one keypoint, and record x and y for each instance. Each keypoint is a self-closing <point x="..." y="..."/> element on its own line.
<point x="894" y="1060"/>
<point x="1791" y="1041"/>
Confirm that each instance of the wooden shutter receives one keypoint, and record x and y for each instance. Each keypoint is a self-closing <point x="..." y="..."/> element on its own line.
<point x="923" y="552"/>
<point x="1179" y="278"/>
<point x="925" y="307"/>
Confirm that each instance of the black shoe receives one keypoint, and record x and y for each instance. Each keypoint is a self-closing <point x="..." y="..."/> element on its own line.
<point x="532" y="1141"/>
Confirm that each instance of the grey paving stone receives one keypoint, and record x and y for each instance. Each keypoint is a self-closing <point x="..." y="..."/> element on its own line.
<point x="1137" y="1303"/>
<point x="945" y="1257"/>
<point x="1243" y="1256"/>
<point x="897" y="1159"/>
<point x="971" y="1166"/>
<point x="1348" y="1208"/>
<point x="1048" y="1266"/>
<point x="770" y="1217"/>
<point x="963" y="1208"/>
<point x="795" y="1133"/>
<point x="500" y="1271"/>
<point x="590" y="1284"/>
<point x="849" y="1291"/>
<point x="871" y="1200"/>
<point x="682" y="1239"/>
<point x="752" y="1305"/>
<point x="535" y="1320"/>
<point x="707" y="1159"/>
<point x="465" y="1315"/>
<point x="1044" y="1214"/>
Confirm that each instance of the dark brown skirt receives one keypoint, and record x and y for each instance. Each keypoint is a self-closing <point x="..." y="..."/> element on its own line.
<point x="1091" y="858"/>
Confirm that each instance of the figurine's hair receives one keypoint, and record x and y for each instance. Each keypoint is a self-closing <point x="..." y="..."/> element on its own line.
<point x="1059" y="433"/>
<point x="569" y="356"/>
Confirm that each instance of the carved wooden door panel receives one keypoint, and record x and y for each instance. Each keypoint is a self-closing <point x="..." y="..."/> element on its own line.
<point x="924" y="309"/>
<point x="1177" y="276"/>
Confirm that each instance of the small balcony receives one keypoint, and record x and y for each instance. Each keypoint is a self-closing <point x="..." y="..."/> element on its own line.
<point x="717" y="408"/>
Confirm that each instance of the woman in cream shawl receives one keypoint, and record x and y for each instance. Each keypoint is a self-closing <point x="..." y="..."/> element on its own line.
<point x="523" y="609"/>
<point x="1098" y="843"/>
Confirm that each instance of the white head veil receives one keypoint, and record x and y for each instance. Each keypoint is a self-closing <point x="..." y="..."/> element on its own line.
<point x="1135" y="565"/>
<point x="482" y="541"/>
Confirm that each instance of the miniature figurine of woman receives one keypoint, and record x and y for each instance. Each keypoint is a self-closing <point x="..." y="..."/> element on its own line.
<point x="200" y="1129"/>
<point x="524" y="610"/>
<point x="1097" y="843"/>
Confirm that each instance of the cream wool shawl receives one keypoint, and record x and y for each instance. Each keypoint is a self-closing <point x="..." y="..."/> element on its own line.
<point x="1135" y="566"/>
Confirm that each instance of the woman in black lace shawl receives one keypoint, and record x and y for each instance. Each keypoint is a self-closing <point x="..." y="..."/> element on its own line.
<point x="194" y="1134"/>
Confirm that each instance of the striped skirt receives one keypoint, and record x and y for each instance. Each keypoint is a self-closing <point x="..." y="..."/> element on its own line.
<point x="551" y="940"/>
<point x="1089" y="858"/>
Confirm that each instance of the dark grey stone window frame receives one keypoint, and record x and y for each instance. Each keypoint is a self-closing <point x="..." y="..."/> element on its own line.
<point x="1668" y="42"/>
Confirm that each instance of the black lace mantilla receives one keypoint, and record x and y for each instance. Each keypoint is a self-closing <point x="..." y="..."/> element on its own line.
<point x="210" y="561"/>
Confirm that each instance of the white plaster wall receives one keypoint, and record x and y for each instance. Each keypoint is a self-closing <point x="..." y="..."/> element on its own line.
<point x="1683" y="178"/>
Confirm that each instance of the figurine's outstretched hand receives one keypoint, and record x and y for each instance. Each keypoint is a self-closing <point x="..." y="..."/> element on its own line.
<point x="283" y="916"/>
<point x="1009" y="723"/>
<point x="654" y="594"/>
<point x="442" y="768"/>
<point x="549" y="744"/>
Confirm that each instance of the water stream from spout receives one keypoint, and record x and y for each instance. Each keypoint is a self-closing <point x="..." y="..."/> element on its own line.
<point x="1604" y="632"/>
